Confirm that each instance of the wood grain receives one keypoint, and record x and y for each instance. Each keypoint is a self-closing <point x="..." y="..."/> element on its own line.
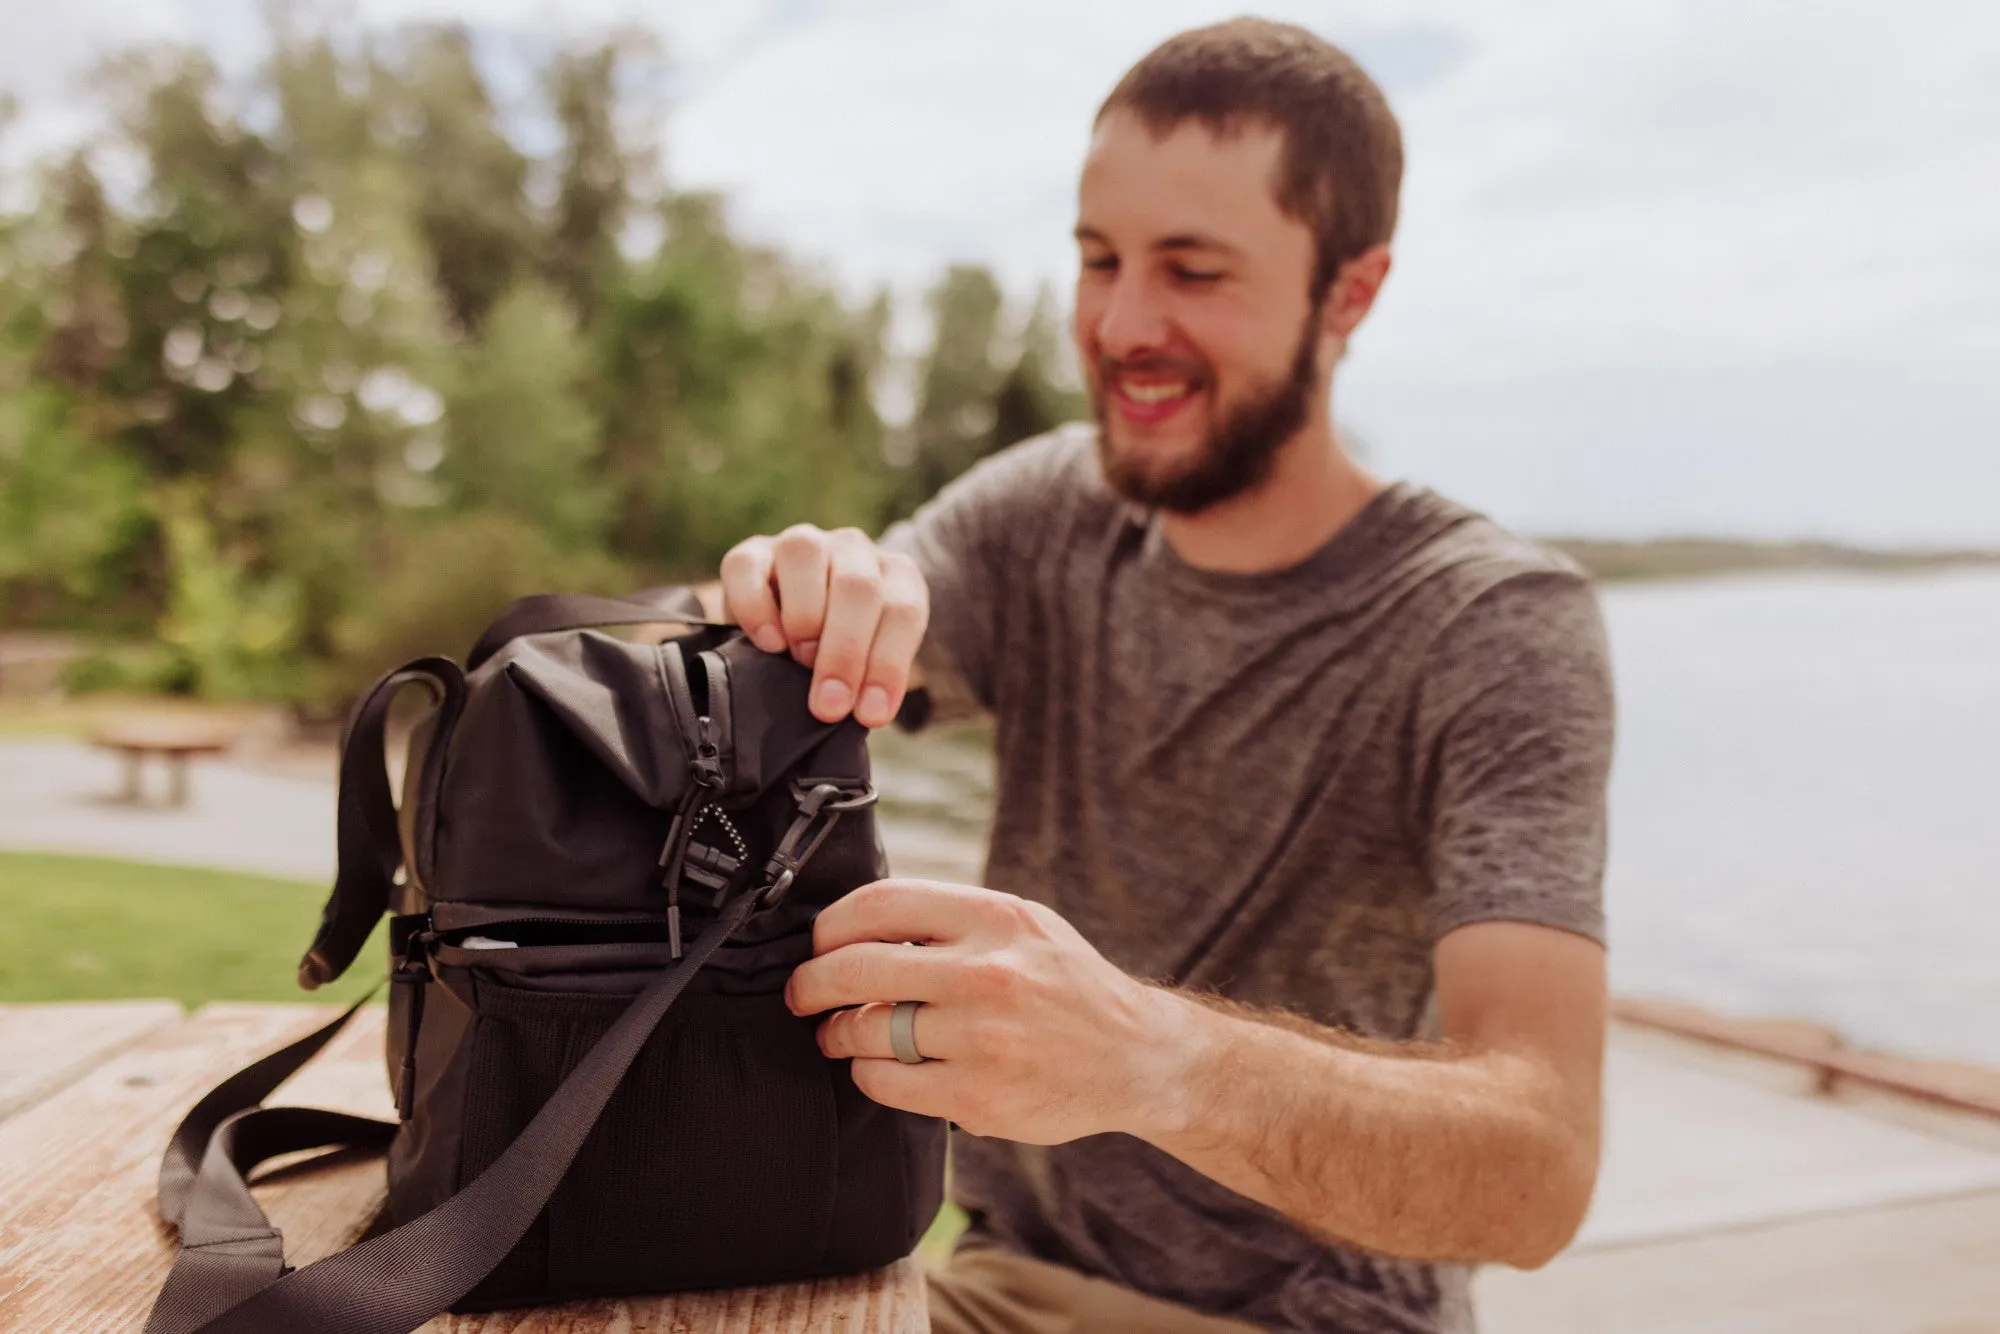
<point x="81" y="1247"/>
<point x="44" y="1047"/>
<point x="63" y="1199"/>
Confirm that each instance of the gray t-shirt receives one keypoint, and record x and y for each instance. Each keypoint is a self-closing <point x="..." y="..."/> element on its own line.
<point x="1282" y="787"/>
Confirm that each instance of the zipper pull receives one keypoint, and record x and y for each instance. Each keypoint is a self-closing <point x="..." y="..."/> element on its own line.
<point x="707" y="762"/>
<point x="412" y="971"/>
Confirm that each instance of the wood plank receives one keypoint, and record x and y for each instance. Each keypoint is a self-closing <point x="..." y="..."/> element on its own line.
<point x="81" y="1247"/>
<point x="44" y="1047"/>
<point x="329" y="1206"/>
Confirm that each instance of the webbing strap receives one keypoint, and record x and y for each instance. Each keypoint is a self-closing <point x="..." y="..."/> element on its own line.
<point x="365" y="835"/>
<point x="229" y="1277"/>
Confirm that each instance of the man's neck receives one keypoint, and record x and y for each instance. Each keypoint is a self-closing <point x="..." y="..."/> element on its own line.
<point x="1313" y="491"/>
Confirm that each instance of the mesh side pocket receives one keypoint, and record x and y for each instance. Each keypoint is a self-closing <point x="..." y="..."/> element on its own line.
<point x="716" y="1163"/>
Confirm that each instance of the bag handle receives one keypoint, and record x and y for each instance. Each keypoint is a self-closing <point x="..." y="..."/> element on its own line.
<point x="575" y="611"/>
<point x="369" y="847"/>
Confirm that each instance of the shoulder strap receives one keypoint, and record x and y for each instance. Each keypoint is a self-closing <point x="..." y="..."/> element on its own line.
<point x="230" y="1275"/>
<point x="366" y="840"/>
<point x="574" y="611"/>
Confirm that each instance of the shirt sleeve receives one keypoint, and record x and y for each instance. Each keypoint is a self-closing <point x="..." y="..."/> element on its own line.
<point x="964" y="542"/>
<point x="1515" y="715"/>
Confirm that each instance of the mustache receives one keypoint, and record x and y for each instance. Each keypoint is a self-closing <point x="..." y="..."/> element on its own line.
<point x="1108" y="367"/>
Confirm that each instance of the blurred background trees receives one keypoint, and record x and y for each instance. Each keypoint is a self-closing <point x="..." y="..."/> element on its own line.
<point x="311" y="371"/>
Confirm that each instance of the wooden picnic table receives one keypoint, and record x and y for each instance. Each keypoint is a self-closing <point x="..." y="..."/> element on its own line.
<point x="90" y="1091"/>
<point x="173" y="741"/>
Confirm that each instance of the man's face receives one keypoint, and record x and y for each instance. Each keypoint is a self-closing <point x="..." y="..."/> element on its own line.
<point x="1194" y="321"/>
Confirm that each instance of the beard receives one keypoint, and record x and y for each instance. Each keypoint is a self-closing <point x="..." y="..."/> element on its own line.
<point x="1239" y="450"/>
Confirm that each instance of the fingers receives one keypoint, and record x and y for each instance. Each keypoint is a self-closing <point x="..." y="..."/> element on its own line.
<point x="853" y="604"/>
<point x="864" y="1031"/>
<point x="747" y="595"/>
<point x="899" y="631"/>
<point x="853" y="613"/>
<point x="870" y="971"/>
<point x="930" y="1089"/>
<point x="799" y="568"/>
<point x="899" y="910"/>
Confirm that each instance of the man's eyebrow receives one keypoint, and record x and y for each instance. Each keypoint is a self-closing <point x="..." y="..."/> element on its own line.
<point x="1195" y="241"/>
<point x="1179" y="241"/>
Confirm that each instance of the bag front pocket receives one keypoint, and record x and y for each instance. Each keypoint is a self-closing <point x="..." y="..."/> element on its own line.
<point x="715" y="1163"/>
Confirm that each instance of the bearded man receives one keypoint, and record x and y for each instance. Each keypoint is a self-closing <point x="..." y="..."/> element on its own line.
<point x="1284" y="1001"/>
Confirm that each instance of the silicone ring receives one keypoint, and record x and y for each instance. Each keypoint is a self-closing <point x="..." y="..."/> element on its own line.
<point x="903" y="1033"/>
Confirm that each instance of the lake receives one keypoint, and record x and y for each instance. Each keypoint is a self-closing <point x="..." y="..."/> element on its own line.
<point x="1805" y="804"/>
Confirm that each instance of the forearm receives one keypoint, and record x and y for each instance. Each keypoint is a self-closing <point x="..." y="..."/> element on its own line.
<point x="1409" y="1150"/>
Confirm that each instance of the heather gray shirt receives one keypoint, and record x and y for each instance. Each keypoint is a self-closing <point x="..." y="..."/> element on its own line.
<point x="1282" y="787"/>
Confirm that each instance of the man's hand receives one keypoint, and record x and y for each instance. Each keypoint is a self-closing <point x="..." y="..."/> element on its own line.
<point x="1480" y="1148"/>
<point x="842" y="606"/>
<point x="1032" y="1035"/>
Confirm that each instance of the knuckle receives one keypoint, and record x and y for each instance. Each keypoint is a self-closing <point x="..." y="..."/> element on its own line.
<point x="857" y="584"/>
<point x="902" y="606"/>
<point x="994" y="977"/>
<point x="801" y="539"/>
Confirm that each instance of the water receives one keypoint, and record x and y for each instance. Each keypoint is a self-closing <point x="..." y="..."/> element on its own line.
<point x="1805" y="803"/>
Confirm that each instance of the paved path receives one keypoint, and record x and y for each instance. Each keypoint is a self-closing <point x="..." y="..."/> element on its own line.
<point x="60" y="796"/>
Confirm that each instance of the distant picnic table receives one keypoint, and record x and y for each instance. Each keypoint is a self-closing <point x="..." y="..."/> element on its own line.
<point x="90" y="1091"/>
<point x="174" y="741"/>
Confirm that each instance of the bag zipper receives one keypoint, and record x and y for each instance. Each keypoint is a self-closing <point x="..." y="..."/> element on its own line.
<point x="413" y="971"/>
<point x="707" y="740"/>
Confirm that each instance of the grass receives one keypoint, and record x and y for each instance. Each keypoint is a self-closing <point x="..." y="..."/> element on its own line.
<point x="88" y="928"/>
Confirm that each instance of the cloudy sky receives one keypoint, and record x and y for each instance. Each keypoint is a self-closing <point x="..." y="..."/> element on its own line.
<point x="1664" y="265"/>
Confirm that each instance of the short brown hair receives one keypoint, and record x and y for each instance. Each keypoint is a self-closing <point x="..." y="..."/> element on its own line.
<point x="1342" y="162"/>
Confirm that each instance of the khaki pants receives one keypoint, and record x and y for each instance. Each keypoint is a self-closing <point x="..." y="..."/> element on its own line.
<point x="985" y="1291"/>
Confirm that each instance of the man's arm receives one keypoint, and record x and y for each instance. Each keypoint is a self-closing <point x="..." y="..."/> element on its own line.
<point x="1481" y="1148"/>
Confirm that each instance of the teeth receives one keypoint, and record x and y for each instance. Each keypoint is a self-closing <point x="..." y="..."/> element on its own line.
<point x="1154" y="393"/>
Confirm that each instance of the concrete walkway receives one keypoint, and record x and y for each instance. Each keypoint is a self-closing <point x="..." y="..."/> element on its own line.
<point x="61" y="796"/>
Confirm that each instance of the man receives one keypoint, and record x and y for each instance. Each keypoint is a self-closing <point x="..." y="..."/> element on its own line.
<point x="1285" y="997"/>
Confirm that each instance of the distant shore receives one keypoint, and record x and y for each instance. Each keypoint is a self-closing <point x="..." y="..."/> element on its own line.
<point x="1612" y="561"/>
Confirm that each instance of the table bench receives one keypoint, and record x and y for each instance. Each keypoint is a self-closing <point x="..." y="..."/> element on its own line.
<point x="90" y="1091"/>
<point x="173" y="742"/>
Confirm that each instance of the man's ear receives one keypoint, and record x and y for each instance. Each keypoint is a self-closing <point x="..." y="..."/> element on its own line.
<point x="1352" y="295"/>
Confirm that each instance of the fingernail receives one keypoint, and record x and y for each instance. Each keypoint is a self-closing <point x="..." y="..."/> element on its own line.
<point x="769" y="638"/>
<point x="834" y="697"/>
<point x="806" y="650"/>
<point x="874" y="705"/>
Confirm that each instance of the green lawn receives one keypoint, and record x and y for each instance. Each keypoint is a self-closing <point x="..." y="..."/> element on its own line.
<point x="87" y="928"/>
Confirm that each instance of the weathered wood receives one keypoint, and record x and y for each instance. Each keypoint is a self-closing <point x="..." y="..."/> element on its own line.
<point x="110" y="1219"/>
<point x="81" y="1247"/>
<point x="44" y="1047"/>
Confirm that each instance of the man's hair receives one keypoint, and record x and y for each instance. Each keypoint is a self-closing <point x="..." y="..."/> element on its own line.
<point x="1342" y="161"/>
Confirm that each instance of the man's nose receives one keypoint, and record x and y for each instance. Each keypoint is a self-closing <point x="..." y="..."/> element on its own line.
<point x="1133" y="319"/>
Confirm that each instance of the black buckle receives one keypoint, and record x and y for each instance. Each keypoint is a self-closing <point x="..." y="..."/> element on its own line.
<point x="821" y="804"/>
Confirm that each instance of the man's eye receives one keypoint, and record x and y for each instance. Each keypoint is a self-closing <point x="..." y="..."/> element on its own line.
<point x="1196" y="275"/>
<point x="1101" y="264"/>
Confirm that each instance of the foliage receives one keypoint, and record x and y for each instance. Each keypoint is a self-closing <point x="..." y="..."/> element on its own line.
<point x="366" y="348"/>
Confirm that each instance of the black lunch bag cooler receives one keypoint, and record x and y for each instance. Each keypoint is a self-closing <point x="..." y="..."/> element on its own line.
<point x="606" y="863"/>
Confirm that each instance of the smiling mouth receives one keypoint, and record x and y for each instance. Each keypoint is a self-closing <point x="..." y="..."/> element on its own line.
<point x="1146" y="400"/>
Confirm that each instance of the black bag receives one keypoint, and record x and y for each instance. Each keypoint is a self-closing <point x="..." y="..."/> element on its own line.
<point x="606" y="864"/>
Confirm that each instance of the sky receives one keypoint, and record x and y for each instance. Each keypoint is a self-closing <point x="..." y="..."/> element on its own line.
<point x="1664" y="266"/>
